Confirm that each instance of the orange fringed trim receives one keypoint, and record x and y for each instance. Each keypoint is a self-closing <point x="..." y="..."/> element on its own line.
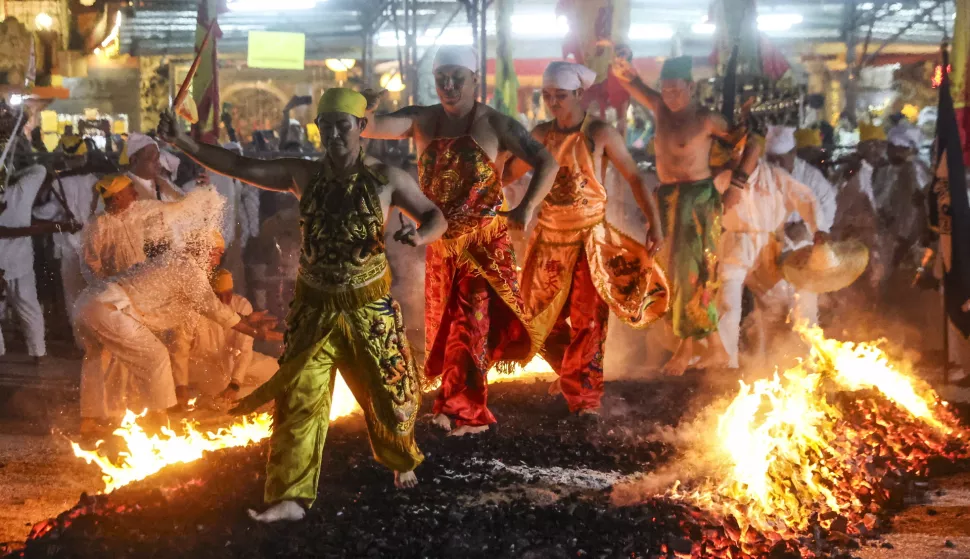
<point x="456" y="246"/>
<point x="349" y="299"/>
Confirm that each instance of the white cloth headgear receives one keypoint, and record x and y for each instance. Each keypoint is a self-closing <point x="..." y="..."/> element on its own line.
<point x="905" y="135"/>
<point x="137" y="142"/>
<point x="561" y="74"/>
<point x="779" y="140"/>
<point x="450" y="55"/>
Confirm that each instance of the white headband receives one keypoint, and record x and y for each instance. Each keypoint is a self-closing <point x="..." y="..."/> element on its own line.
<point x="137" y="142"/>
<point x="466" y="57"/>
<point x="905" y="135"/>
<point x="567" y="75"/>
<point x="779" y="140"/>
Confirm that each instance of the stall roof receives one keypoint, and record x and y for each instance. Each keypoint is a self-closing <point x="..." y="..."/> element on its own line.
<point x="334" y="27"/>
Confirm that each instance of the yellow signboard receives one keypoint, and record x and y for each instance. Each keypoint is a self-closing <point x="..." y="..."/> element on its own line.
<point x="276" y="50"/>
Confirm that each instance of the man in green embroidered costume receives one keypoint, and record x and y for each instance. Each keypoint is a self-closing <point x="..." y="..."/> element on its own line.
<point x="342" y="315"/>
<point x="690" y="204"/>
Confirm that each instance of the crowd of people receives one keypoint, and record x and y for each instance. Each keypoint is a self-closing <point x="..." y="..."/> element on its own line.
<point x="749" y="224"/>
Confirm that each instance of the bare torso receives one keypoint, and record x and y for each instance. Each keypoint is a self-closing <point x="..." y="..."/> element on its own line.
<point x="683" y="145"/>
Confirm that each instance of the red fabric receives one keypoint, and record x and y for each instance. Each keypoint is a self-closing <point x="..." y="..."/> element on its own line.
<point x="575" y="349"/>
<point x="474" y="315"/>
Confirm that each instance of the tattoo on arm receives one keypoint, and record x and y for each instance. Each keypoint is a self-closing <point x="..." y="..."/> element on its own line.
<point x="530" y="146"/>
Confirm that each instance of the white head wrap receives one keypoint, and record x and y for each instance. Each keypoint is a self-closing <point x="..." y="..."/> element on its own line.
<point x="779" y="140"/>
<point x="905" y="135"/>
<point x="567" y="75"/>
<point x="449" y="55"/>
<point x="170" y="162"/>
<point x="137" y="142"/>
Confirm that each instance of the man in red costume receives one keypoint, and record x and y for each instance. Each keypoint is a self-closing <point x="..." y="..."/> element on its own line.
<point x="474" y="316"/>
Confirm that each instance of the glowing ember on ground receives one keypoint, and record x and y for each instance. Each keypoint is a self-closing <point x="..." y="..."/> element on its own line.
<point x="804" y="448"/>
<point x="146" y="455"/>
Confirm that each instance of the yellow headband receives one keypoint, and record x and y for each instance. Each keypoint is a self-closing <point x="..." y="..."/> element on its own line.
<point x="111" y="185"/>
<point x="808" y="138"/>
<point x="222" y="281"/>
<point x="342" y="100"/>
<point x="871" y="132"/>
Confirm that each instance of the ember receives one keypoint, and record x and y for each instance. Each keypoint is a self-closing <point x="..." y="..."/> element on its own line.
<point x="147" y="455"/>
<point x="812" y="447"/>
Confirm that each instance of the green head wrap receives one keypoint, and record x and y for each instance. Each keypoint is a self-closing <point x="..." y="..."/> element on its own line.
<point x="342" y="100"/>
<point x="678" y="68"/>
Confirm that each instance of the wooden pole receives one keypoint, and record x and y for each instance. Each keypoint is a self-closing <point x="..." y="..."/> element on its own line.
<point x="184" y="89"/>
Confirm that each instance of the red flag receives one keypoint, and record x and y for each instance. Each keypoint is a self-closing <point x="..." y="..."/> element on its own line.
<point x="205" y="84"/>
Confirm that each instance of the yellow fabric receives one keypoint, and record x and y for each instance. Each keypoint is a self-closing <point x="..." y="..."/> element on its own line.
<point x="808" y="138"/>
<point x="342" y="100"/>
<point x="112" y="184"/>
<point x="222" y="281"/>
<point x="871" y="132"/>
<point x="573" y="218"/>
<point x="369" y="347"/>
<point x="73" y="144"/>
<point x="217" y="240"/>
<point x="959" y="53"/>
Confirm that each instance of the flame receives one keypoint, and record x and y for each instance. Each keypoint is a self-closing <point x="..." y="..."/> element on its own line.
<point x="788" y="451"/>
<point x="146" y="455"/>
<point x="536" y="369"/>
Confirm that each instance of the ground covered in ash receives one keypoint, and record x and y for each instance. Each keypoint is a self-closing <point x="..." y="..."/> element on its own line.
<point x="536" y="486"/>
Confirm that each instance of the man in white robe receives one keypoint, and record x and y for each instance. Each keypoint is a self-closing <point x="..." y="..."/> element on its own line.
<point x="114" y="241"/>
<point x="780" y="150"/>
<point x="17" y="259"/>
<point x="222" y="363"/>
<point x="124" y="318"/>
<point x="72" y="198"/>
<point x="145" y="170"/>
<point x="753" y="241"/>
<point x="899" y="194"/>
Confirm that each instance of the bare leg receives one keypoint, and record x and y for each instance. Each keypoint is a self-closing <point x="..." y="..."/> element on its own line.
<point x="717" y="357"/>
<point x="405" y="480"/>
<point x="442" y="421"/>
<point x="681" y="358"/>
<point x="468" y="430"/>
<point x="283" y="511"/>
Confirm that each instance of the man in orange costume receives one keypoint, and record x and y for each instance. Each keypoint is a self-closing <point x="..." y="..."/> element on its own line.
<point x="474" y="317"/>
<point x="578" y="267"/>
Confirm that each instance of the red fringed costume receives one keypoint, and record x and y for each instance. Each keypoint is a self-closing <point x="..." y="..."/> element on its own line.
<point x="474" y="316"/>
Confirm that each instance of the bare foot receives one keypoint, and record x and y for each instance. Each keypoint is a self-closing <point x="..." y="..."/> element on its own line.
<point x="442" y="421"/>
<point x="680" y="360"/>
<point x="717" y="357"/>
<point x="468" y="430"/>
<point x="405" y="480"/>
<point x="589" y="412"/>
<point x="554" y="388"/>
<point x="285" y="511"/>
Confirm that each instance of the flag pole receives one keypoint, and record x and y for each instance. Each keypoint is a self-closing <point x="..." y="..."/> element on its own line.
<point x="184" y="89"/>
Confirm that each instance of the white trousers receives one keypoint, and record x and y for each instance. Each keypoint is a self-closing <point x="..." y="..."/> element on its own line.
<point x="73" y="283"/>
<point x="211" y="376"/>
<point x="112" y="334"/>
<point x="22" y="297"/>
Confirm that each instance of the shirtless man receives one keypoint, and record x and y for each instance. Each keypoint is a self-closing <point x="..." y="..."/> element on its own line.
<point x="343" y="314"/>
<point x="690" y="205"/>
<point x="474" y="316"/>
<point x="573" y="243"/>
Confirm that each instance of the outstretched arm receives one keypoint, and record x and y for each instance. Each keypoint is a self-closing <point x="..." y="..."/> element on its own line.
<point x="631" y="82"/>
<point x="615" y="149"/>
<point x="410" y="200"/>
<point x="514" y="138"/>
<point x="281" y="175"/>
<point x="394" y="126"/>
